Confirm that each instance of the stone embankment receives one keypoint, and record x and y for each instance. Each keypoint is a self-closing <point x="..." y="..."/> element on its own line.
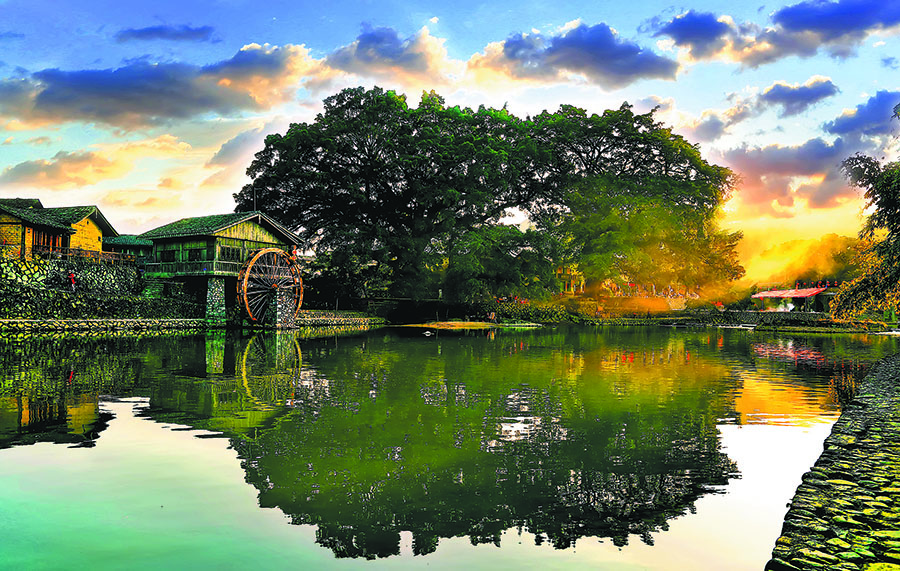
<point x="846" y="513"/>
<point x="32" y="325"/>
<point x="323" y="318"/>
<point x="334" y="320"/>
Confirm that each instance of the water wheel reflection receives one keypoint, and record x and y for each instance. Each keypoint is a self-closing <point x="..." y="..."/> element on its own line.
<point x="270" y="368"/>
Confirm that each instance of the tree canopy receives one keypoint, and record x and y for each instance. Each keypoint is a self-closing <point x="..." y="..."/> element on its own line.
<point x="416" y="195"/>
<point x="878" y="285"/>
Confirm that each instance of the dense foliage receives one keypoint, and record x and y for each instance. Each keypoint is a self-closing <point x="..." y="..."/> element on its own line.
<point x="877" y="287"/>
<point x="410" y="200"/>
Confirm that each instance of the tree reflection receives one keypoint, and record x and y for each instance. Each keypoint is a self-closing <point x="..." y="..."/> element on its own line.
<point x="562" y="434"/>
<point x="459" y="447"/>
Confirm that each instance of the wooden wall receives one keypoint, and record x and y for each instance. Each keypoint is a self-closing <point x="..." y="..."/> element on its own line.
<point x="249" y="231"/>
<point x="87" y="236"/>
<point x="10" y="229"/>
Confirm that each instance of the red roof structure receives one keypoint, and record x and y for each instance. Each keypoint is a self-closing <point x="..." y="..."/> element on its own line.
<point x="792" y="293"/>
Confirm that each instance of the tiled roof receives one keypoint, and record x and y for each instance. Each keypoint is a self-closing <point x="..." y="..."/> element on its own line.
<point x="785" y="293"/>
<point x="70" y="215"/>
<point x="21" y="202"/>
<point x="208" y="225"/>
<point x="32" y="211"/>
<point x="35" y="217"/>
<point x="127" y="240"/>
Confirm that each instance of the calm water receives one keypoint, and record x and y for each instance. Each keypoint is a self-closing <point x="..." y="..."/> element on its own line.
<point x="620" y="448"/>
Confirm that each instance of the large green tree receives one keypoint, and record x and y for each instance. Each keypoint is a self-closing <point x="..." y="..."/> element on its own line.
<point x="500" y="260"/>
<point x="878" y="285"/>
<point x="415" y="195"/>
<point x="388" y="184"/>
<point x="640" y="202"/>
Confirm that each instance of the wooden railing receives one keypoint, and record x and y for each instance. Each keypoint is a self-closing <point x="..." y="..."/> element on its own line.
<point x="56" y="253"/>
<point x="216" y="267"/>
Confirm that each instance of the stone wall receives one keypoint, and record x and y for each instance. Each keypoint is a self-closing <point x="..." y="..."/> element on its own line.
<point x="90" y="276"/>
<point x="324" y="318"/>
<point x="38" y="325"/>
<point x="215" y="301"/>
<point x="40" y="289"/>
<point x="21" y="301"/>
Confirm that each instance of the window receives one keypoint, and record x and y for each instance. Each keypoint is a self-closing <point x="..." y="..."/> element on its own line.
<point x="167" y="256"/>
<point x="229" y="254"/>
<point x="195" y="254"/>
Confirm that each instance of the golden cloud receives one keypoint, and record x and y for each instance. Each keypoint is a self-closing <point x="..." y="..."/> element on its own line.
<point x="65" y="170"/>
<point x="88" y="167"/>
<point x="250" y="72"/>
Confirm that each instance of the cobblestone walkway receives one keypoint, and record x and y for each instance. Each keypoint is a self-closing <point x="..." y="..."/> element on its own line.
<point x="846" y="513"/>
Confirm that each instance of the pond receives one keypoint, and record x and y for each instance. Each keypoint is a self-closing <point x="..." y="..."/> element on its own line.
<point x="629" y="448"/>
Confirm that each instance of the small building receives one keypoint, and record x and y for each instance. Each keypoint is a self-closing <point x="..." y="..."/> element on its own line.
<point x="814" y="299"/>
<point x="24" y="229"/>
<point x="206" y="254"/>
<point x="139" y="248"/>
<point x="28" y="229"/>
<point x="572" y="280"/>
<point x="89" y="226"/>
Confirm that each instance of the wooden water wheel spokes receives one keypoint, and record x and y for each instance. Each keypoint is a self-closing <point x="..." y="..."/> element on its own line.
<point x="268" y="272"/>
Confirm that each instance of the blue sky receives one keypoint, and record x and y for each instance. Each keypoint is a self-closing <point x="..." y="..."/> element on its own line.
<point x="153" y="110"/>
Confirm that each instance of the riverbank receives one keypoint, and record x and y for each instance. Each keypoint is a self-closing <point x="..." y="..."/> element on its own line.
<point x="305" y="319"/>
<point x="846" y="513"/>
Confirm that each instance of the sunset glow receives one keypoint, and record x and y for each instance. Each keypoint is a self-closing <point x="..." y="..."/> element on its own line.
<point x="154" y="111"/>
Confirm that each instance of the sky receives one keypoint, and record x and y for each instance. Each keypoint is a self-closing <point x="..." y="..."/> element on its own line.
<point x="153" y="110"/>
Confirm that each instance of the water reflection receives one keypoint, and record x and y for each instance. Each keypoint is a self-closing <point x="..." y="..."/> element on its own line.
<point x="563" y="434"/>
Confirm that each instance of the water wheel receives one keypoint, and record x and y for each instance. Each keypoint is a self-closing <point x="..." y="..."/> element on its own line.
<point x="267" y="273"/>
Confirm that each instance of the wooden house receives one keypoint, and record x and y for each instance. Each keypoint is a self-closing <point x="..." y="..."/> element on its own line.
<point x="213" y="245"/>
<point x="89" y="226"/>
<point x="141" y="249"/>
<point x="25" y="227"/>
<point x="28" y="229"/>
<point x="206" y="254"/>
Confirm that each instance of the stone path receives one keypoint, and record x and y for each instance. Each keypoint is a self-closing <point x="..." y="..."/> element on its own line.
<point x="846" y="513"/>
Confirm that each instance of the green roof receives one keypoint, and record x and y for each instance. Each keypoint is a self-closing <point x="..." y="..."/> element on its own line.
<point x="21" y="202"/>
<point x="209" y="225"/>
<point x="70" y="215"/>
<point x="32" y="211"/>
<point x="127" y="240"/>
<point x="36" y="217"/>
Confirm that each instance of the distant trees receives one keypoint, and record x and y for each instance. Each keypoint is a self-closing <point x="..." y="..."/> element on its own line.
<point x="414" y="196"/>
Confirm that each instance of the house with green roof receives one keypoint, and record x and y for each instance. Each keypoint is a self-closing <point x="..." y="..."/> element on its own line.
<point x="89" y="226"/>
<point x="24" y="228"/>
<point x="206" y="253"/>
<point x="214" y="245"/>
<point x="129" y="245"/>
<point x="27" y="228"/>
